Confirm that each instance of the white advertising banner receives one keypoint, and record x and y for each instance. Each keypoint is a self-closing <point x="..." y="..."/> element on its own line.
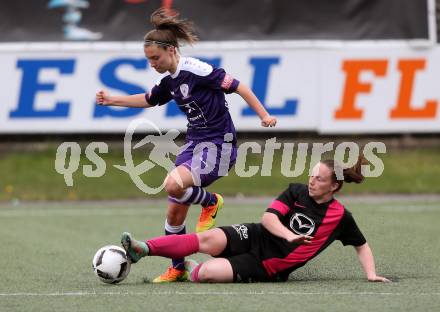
<point x="347" y="89"/>
<point x="54" y="92"/>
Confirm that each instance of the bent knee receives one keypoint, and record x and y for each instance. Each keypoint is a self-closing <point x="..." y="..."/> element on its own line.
<point x="216" y="271"/>
<point x="206" y="243"/>
<point x="173" y="189"/>
<point x="207" y="274"/>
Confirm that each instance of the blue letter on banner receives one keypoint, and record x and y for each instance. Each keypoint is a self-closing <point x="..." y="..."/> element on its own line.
<point x="30" y="87"/>
<point x="259" y="87"/>
<point x="108" y="78"/>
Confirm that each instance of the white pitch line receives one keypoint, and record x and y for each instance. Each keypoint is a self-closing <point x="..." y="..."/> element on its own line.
<point x="213" y="293"/>
<point x="412" y="208"/>
<point x="87" y="212"/>
<point x="81" y="211"/>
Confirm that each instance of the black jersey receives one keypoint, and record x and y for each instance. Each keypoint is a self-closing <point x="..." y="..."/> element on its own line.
<point x="298" y="212"/>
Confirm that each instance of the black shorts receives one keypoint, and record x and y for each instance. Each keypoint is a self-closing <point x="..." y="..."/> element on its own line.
<point x="243" y="252"/>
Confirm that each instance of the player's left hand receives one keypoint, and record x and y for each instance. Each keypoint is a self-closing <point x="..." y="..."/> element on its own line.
<point x="269" y="121"/>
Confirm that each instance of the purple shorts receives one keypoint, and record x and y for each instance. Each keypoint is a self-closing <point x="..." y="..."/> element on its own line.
<point x="207" y="161"/>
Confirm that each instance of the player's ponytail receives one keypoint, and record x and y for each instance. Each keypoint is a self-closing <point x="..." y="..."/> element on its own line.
<point x="354" y="174"/>
<point x="169" y="30"/>
<point x="350" y="175"/>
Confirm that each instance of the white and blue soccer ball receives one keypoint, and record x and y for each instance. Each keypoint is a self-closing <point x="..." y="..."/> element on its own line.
<point x="111" y="264"/>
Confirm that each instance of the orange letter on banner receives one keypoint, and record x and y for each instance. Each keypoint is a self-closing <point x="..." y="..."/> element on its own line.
<point x="403" y="108"/>
<point x="353" y="86"/>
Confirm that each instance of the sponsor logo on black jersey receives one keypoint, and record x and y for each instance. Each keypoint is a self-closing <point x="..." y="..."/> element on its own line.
<point x="301" y="224"/>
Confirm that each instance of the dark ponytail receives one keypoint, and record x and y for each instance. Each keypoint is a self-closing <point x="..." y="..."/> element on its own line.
<point x="169" y="30"/>
<point x="354" y="174"/>
<point x="350" y="175"/>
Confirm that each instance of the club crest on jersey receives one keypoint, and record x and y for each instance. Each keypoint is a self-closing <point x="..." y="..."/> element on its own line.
<point x="184" y="89"/>
<point x="301" y="224"/>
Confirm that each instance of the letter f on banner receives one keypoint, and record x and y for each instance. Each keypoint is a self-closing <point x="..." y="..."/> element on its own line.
<point x="353" y="86"/>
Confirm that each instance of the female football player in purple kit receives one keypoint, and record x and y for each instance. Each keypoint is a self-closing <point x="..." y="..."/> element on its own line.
<point x="298" y="225"/>
<point x="199" y="91"/>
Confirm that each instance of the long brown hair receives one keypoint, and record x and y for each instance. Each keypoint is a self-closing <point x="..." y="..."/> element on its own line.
<point x="169" y="30"/>
<point x="350" y="175"/>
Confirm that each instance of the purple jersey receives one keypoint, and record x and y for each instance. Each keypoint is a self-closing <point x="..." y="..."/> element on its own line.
<point x="199" y="91"/>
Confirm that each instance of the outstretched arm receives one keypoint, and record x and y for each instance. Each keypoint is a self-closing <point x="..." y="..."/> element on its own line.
<point x="135" y="100"/>
<point x="367" y="261"/>
<point x="246" y="93"/>
<point x="273" y="224"/>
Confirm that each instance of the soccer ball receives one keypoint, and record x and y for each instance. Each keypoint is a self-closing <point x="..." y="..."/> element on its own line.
<point x="111" y="264"/>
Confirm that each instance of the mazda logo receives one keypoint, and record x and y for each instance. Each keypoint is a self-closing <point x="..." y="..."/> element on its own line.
<point x="301" y="224"/>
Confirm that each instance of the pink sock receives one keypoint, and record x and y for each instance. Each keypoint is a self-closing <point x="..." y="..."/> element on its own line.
<point x="174" y="246"/>
<point x="195" y="274"/>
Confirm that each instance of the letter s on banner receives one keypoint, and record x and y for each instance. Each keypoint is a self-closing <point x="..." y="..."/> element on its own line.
<point x="107" y="75"/>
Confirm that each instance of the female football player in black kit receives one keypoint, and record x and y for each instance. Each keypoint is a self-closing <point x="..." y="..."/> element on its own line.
<point x="297" y="226"/>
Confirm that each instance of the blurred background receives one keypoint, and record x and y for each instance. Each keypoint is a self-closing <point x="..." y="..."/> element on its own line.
<point x="331" y="71"/>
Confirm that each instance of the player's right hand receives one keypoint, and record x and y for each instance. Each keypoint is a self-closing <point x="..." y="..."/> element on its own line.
<point x="300" y="239"/>
<point x="378" y="278"/>
<point x="102" y="98"/>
